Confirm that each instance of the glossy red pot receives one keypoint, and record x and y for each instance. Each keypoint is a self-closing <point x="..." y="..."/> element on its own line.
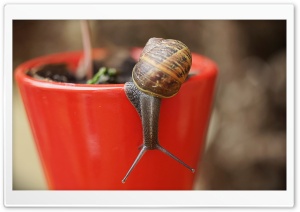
<point x="87" y="136"/>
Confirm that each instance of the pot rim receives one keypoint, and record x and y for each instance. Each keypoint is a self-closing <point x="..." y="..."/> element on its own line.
<point x="207" y="70"/>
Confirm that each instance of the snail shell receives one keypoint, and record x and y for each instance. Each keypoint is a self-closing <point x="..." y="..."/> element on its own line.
<point x="163" y="66"/>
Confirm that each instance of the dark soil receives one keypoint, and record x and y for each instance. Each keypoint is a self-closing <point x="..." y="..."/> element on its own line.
<point x="60" y="73"/>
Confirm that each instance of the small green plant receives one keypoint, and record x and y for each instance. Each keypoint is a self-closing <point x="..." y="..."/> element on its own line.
<point x="104" y="75"/>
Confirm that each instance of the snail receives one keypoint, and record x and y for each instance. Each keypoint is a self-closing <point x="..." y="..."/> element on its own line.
<point x="163" y="66"/>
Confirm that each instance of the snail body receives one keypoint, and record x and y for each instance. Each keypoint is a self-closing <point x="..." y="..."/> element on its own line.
<point x="163" y="66"/>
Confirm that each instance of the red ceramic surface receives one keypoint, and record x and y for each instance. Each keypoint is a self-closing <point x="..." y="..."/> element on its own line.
<point x="87" y="136"/>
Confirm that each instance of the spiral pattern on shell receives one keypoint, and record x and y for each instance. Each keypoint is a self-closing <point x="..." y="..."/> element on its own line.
<point x="163" y="66"/>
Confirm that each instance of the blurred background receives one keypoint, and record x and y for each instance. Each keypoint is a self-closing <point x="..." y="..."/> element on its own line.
<point x="246" y="140"/>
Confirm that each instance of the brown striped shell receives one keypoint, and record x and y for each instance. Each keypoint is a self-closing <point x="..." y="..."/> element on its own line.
<point x="163" y="66"/>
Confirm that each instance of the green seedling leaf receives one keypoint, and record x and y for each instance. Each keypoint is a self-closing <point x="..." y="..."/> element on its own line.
<point x="112" y="72"/>
<point x="103" y="75"/>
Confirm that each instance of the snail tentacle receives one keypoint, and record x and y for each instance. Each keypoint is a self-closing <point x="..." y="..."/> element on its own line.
<point x="162" y="149"/>
<point x="138" y="158"/>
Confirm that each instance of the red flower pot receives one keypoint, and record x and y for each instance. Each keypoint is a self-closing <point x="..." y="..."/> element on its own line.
<point x="87" y="136"/>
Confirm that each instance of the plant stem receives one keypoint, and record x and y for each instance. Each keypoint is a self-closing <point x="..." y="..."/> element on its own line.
<point x="85" y="63"/>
